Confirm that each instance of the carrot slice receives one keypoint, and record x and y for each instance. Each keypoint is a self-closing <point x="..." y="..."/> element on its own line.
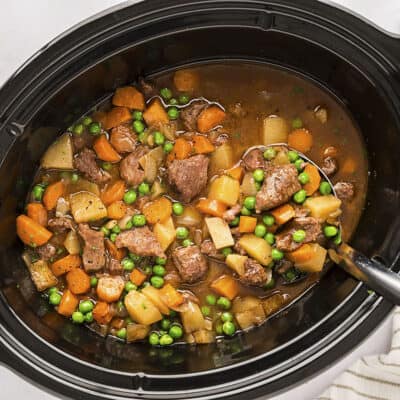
<point x="301" y="140"/>
<point x="115" y="252"/>
<point x="202" y="145"/>
<point x="301" y="255"/>
<point x="155" y="112"/>
<point x="116" y="116"/>
<point x="182" y="149"/>
<point x="101" y="313"/>
<point x="78" y="281"/>
<point x="114" y="193"/>
<point x="186" y="80"/>
<point x="315" y="179"/>
<point x="105" y="151"/>
<point x="210" y="118"/>
<point x="170" y="296"/>
<point x="211" y="207"/>
<point x="137" y="277"/>
<point x="116" y="210"/>
<point x="236" y="173"/>
<point x="283" y="214"/>
<point x="52" y="193"/>
<point x="69" y="303"/>
<point x="247" y="224"/>
<point x="130" y="97"/>
<point x="66" y="264"/>
<point x="158" y="210"/>
<point x="37" y="212"/>
<point x="32" y="233"/>
<point x="226" y="286"/>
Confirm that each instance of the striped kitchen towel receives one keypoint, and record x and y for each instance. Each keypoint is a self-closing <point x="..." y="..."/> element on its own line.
<point x="372" y="377"/>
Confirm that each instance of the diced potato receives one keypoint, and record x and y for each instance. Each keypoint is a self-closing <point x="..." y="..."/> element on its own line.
<point x="59" y="155"/>
<point x="225" y="189"/>
<point x="83" y="185"/>
<point x="141" y="309"/>
<point x="236" y="262"/>
<point x="154" y="296"/>
<point x="41" y="275"/>
<point x="322" y="206"/>
<point x="257" y="248"/>
<point x="204" y="336"/>
<point x="136" y="332"/>
<point x="220" y="233"/>
<point x="248" y="187"/>
<point x="313" y="260"/>
<point x="283" y="214"/>
<point x="151" y="162"/>
<point x="71" y="243"/>
<point x="192" y="318"/>
<point x="275" y="130"/>
<point x="190" y="217"/>
<point x="157" y="190"/>
<point x="273" y="303"/>
<point x="221" y="158"/>
<point x="86" y="207"/>
<point x="252" y="317"/>
<point x="281" y="158"/>
<point x="165" y="233"/>
<point x="246" y="303"/>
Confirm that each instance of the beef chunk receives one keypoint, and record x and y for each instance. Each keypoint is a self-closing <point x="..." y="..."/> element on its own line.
<point x="189" y="176"/>
<point x="85" y="162"/>
<point x="239" y="249"/>
<point x="310" y="225"/>
<point x="283" y="266"/>
<point x="190" y="263"/>
<point x="254" y="159"/>
<point x="47" y="251"/>
<point x="123" y="139"/>
<point x="344" y="190"/>
<point x="81" y="141"/>
<point x="130" y="170"/>
<point x="141" y="202"/>
<point x="300" y="211"/>
<point x="60" y="224"/>
<point x="208" y="248"/>
<point x="147" y="87"/>
<point x="140" y="241"/>
<point x="329" y="166"/>
<point x="254" y="273"/>
<point x="113" y="266"/>
<point x="93" y="251"/>
<point x="190" y="114"/>
<point x="280" y="183"/>
<point x="231" y="214"/>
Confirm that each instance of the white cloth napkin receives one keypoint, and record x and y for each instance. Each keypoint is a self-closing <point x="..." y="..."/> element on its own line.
<point x="372" y="377"/>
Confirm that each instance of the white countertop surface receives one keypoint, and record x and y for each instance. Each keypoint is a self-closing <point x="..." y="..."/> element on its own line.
<point x="26" y="25"/>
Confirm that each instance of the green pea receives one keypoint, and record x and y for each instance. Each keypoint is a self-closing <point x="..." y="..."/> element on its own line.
<point x="292" y="155"/>
<point x="116" y="229"/>
<point x="165" y="324"/>
<point x="78" y="129"/>
<point x="276" y="254"/>
<point x="154" y="340"/>
<point x="93" y="281"/>
<point x="182" y="232"/>
<point x="55" y="299"/>
<point x="159" y="270"/>
<point x="139" y="220"/>
<point x="250" y="202"/>
<point x="107" y="166"/>
<point x="270" y="284"/>
<point x="147" y="270"/>
<point x="338" y="239"/>
<point x="52" y="290"/>
<point x="89" y="317"/>
<point x="173" y="102"/>
<point x="142" y="136"/>
<point x="235" y="221"/>
<point x="183" y="99"/>
<point x="86" y="121"/>
<point x="299" y="235"/>
<point x="258" y="175"/>
<point x="245" y="211"/>
<point x="74" y="177"/>
<point x="268" y="220"/>
<point x="127" y="264"/>
<point x="211" y="300"/>
<point x="137" y="115"/>
<point x="218" y="328"/>
<point x="159" y="138"/>
<point x="138" y="126"/>
<point x="228" y="328"/>
<point x="224" y="303"/>
<point x="226" y="251"/>
<point x="166" y="93"/>
<point x="105" y="231"/>
<point x="260" y="230"/>
<point x="303" y="178"/>
<point x="325" y="188"/>
<point x="144" y="188"/>
<point x="166" y="340"/>
<point x="187" y="243"/>
<point x="129" y="286"/>
<point x="269" y="153"/>
<point x="157" y="281"/>
<point x="85" y="306"/>
<point x="330" y="231"/>
<point x="121" y="333"/>
<point x="78" y="317"/>
<point x="37" y="192"/>
<point x="168" y="147"/>
<point x="300" y="196"/>
<point x="130" y="196"/>
<point x="299" y="164"/>
<point x="226" y="316"/>
<point x="128" y="225"/>
<point x="113" y="237"/>
<point x="269" y="238"/>
<point x="206" y="311"/>
<point x="175" y="332"/>
<point x="257" y="185"/>
<point x="297" y="123"/>
<point x="177" y="208"/>
<point x="173" y="113"/>
<point x="161" y="261"/>
<point x="134" y="257"/>
<point x="94" y="128"/>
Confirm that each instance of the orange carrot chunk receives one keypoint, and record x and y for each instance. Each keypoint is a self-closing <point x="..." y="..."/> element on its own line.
<point x="315" y="179"/>
<point x="211" y="207"/>
<point x="202" y="145"/>
<point x="105" y="151"/>
<point x="116" y="210"/>
<point x="210" y="118"/>
<point x="102" y="313"/>
<point x="186" y="80"/>
<point x="52" y="193"/>
<point x="115" y="252"/>
<point x="301" y="140"/>
<point x="158" y="210"/>
<point x="78" y="281"/>
<point x="137" y="277"/>
<point x="37" y="212"/>
<point x="69" y="303"/>
<point x="155" y="112"/>
<point x="170" y="296"/>
<point x="66" y="264"/>
<point x="32" y="233"/>
<point x="130" y="97"/>
<point x="114" y="193"/>
<point x="247" y="224"/>
<point x="226" y="286"/>
<point x="301" y="255"/>
<point x="182" y="149"/>
<point x="283" y="214"/>
<point x="235" y="173"/>
<point x="116" y="116"/>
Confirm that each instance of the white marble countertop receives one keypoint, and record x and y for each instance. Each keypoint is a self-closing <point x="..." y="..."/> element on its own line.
<point x="26" y="25"/>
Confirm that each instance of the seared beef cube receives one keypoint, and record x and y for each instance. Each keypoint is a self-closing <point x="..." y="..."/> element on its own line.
<point x="254" y="273"/>
<point x="189" y="176"/>
<point x="280" y="184"/>
<point x="140" y="241"/>
<point x="329" y="166"/>
<point x="60" y="224"/>
<point x="190" y="263"/>
<point x="93" y="251"/>
<point x="130" y="170"/>
<point x="254" y="159"/>
<point x="123" y="139"/>
<point x="85" y="162"/>
<point x="344" y="190"/>
<point x="46" y="252"/>
<point x="190" y="114"/>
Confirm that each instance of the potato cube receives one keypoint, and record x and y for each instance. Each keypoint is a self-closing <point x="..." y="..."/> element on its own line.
<point x="257" y="248"/>
<point x="236" y="262"/>
<point x="165" y="233"/>
<point x="141" y="309"/>
<point x="225" y="189"/>
<point x="219" y="232"/>
<point x="322" y="206"/>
